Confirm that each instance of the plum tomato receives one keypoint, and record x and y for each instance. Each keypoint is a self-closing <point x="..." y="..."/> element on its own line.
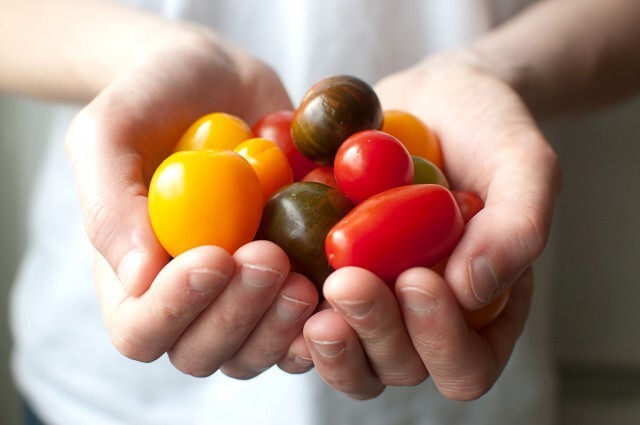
<point x="482" y="317"/>
<point x="322" y="174"/>
<point x="400" y="228"/>
<point x="276" y="127"/>
<point x="207" y="197"/>
<point x="269" y="162"/>
<point x="332" y="110"/>
<point x="414" y="134"/>
<point x="425" y="171"/>
<point x="217" y="130"/>
<point x="470" y="203"/>
<point x="370" y="162"/>
<point x="298" y="218"/>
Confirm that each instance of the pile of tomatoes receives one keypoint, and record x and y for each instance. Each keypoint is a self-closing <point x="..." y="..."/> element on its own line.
<point x="337" y="182"/>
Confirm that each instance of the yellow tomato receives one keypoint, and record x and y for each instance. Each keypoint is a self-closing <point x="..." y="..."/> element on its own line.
<point x="208" y="197"/>
<point x="269" y="162"/>
<point x="215" y="131"/>
<point x="414" y="135"/>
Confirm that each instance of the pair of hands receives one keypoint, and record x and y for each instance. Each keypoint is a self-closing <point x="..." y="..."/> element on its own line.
<point x="246" y="312"/>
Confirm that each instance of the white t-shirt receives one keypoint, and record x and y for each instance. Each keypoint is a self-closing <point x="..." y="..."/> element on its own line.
<point x="64" y="362"/>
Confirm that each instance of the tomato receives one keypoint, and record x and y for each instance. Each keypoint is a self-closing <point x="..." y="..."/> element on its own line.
<point x="204" y="198"/>
<point x="332" y="110"/>
<point x="404" y="227"/>
<point x="269" y="162"/>
<point x="298" y="218"/>
<point x="414" y="134"/>
<point x="322" y="174"/>
<point x="369" y="162"/>
<point x="482" y="317"/>
<point x="470" y="203"/>
<point x="425" y="171"/>
<point x="215" y="131"/>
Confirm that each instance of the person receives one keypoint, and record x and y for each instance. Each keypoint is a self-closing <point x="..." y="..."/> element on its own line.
<point x="142" y="79"/>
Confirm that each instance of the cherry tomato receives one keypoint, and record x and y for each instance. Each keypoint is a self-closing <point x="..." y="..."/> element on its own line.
<point x="414" y="134"/>
<point x="277" y="128"/>
<point x="215" y="131"/>
<point x="369" y="162"/>
<point x="425" y="171"/>
<point x="204" y="198"/>
<point x="469" y="203"/>
<point x="322" y="174"/>
<point x="269" y="162"/>
<point x="480" y="318"/>
<point x="404" y="227"/>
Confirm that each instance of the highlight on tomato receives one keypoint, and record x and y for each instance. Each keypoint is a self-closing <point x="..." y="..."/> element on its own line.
<point x="217" y="130"/>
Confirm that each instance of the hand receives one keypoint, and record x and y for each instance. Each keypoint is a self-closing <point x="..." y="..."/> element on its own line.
<point x="206" y="308"/>
<point x="491" y="145"/>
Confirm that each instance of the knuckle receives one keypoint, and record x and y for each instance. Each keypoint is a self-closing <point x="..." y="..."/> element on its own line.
<point x="133" y="347"/>
<point x="196" y="366"/>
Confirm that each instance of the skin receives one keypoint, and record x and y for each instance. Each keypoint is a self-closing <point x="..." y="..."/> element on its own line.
<point x="364" y="339"/>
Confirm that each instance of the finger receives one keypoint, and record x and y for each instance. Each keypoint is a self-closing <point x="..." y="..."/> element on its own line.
<point x="338" y="356"/>
<point x="143" y="328"/>
<point x="261" y="268"/>
<point x="370" y="308"/>
<point x="298" y="356"/>
<point x="271" y="338"/>
<point x="462" y="363"/>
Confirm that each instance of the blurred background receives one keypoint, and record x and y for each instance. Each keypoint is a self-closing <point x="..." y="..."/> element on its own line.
<point x="592" y="264"/>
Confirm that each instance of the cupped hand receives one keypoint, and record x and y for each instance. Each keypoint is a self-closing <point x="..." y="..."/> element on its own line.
<point x="207" y="308"/>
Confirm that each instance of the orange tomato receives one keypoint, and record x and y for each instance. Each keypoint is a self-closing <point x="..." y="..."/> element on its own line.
<point x="414" y="135"/>
<point x="208" y="197"/>
<point x="269" y="162"/>
<point x="482" y="317"/>
<point x="215" y="131"/>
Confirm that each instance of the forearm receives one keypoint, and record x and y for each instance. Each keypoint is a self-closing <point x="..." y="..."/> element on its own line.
<point x="71" y="49"/>
<point x="567" y="55"/>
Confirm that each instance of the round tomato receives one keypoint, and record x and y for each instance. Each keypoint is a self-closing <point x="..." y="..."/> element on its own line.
<point x="404" y="227"/>
<point x="369" y="162"/>
<point x="426" y="172"/>
<point x="269" y="163"/>
<point x="276" y="127"/>
<point x="204" y="198"/>
<point x="215" y="131"/>
<point x="414" y="134"/>
<point x="470" y="203"/>
<point x="322" y="174"/>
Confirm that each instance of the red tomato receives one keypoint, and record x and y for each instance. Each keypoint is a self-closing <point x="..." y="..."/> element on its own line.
<point x="404" y="227"/>
<point x="277" y="128"/>
<point x="469" y="203"/>
<point x="322" y="174"/>
<point x="370" y="162"/>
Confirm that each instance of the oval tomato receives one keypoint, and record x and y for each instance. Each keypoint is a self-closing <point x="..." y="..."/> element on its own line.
<point x="269" y="162"/>
<point x="204" y="198"/>
<point x="470" y="203"/>
<point x="276" y="127"/>
<point x="215" y="131"/>
<point x="323" y="174"/>
<point x="404" y="227"/>
<point x="370" y="162"/>
<point x="414" y="134"/>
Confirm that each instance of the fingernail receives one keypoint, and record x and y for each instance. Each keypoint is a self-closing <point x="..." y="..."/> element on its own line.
<point x="205" y="281"/>
<point x="483" y="280"/>
<point x="289" y="310"/>
<point x="129" y="267"/>
<point x="418" y="300"/>
<point x="330" y="349"/>
<point x="254" y="276"/>
<point x="355" y="309"/>
<point x="303" y="362"/>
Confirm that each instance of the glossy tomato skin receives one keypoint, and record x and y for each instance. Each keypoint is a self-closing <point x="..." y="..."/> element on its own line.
<point x="298" y="218"/>
<point x="204" y="198"/>
<point x="217" y="130"/>
<point x="269" y="162"/>
<point x="276" y="127"/>
<point x="470" y="203"/>
<point x="404" y="227"/>
<point x="414" y="134"/>
<point x="370" y="162"/>
<point x="322" y="174"/>
<point x="332" y="110"/>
